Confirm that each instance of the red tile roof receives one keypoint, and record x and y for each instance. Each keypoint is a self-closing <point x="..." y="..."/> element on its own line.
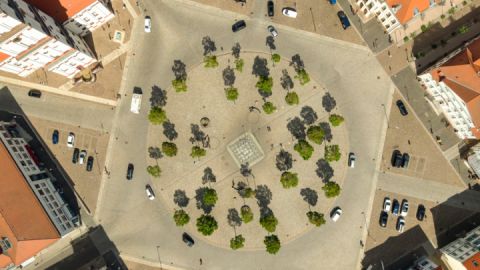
<point x="406" y="8"/>
<point x="19" y="207"/>
<point x="3" y="56"/>
<point x="473" y="263"/>
<point x="61" y="10"/>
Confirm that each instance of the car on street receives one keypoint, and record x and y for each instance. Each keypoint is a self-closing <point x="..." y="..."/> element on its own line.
<point x="272" y="31"/>
<point x="395" y="207"/>
<point x="129" y="171"/>
<point x="405" y="160"/>
<point x="387" y="204"/>
<point x="289" y="12"/>
<point x="400" y="224"/>
<point x="35" y="93"/>
<point x="397" y="158"/>
<point x="149" y="191"/>
<point x="55" y="136"/>
<point x="89" y="164"/>
<point x="351" y="160"/>
<point x="404" y="208"/>
<point x="336" y="213"/>
<point x="270" y="8"/>
<point x="71" y="139"/>
<point x="383" y="219"/>
<point x="402" y="108"/>
<point x="76" y="153"/>
<point x="421" y="212"/>
<point x="148" y="24"/>
<point x="187" y="239"/>
<point x="343" y="19"/>
<point x="238" y="26"/>
<point x="83" y="155"/>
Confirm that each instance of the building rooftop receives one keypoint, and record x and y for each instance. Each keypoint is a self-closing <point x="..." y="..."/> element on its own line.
<point x="407" y="9"/>
<point x="22" y="219"/>
<point x="473" y="263"/>
<point x="61" y="10"/>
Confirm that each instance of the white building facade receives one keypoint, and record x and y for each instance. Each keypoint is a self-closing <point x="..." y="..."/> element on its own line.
<point x="382" y="11"/>
<point x="39" y="181"/>
<point x="90" y="18"/>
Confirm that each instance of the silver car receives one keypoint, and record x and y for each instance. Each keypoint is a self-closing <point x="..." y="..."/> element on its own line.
<point x="272" y="31"/>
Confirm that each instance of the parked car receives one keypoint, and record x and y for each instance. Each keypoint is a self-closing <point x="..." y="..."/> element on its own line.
<point x="238" y="26"/>
<point x="420" y="212"/>
<point x="272" y="31"/>
<point x="71" y="139"/>
<point x="404" y="208"/>
<point x="270" y="8"/>
<point x="55" y="136"/>
<point x="402" y="108"/>
<point x="387" y="204"/>
<point x="397" y="159"/>
<point x="149" y="191"/>
<point x="400" y="224"/>
<point x="187" y="239"/>
<point x="343" y="19"/>
<point x="76" y="153"/>
<point x="148" y="24"/>
<point x="289" y="12"/>
<point x="351" y="160"/>
<point x="395" y="207"/>
<point x="35" y="93"/>
<point x="83" y="155"/>
<point x="383" y="219"/>
<point x="129" y="171"/>
<point x="89" y="164"/>
<point x="405" y="160"/>
<point x="336" y="213"/>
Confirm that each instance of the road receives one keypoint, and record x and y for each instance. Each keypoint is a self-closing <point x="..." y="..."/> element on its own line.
<point x="350" y="72"/>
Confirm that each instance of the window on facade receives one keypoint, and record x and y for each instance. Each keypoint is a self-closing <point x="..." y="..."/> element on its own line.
<point x="51" y="197"/>
<point x="41" y="192"/>
<point x="37" y="185"/>
<point x="55" y="204"/>
<point x="25" y="155"/>
<point x="63" y="227"/>
<point x="43" y="184"/>
<point x="23" y="163"/>
<point x="9" y="142"/>
<point x="14" y="149"/>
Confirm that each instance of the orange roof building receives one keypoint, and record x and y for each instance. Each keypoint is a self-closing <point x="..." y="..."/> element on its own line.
<point x="405" y="10"/>
<point x="455" y="88"/>
<point x="61" y="10"/>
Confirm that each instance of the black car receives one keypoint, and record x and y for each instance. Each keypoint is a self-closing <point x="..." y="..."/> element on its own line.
<point x="405" y="160"/>
<point x="383" y="219"/>
<point x="76" y="153"/>
<point x="238" y="26"/>
<point x="397" y="159"/>
<point x="402" y="108"/>
<point x="55" y="136"/>
<point x="130" y="171"/>
<point x="188" y="239"/>
<point x="35" y="93"/>
<point x="89" y="164"/>
<point x="395" y="207"/>
<point x="270" y="8"/>
<point x="421" y="212"/>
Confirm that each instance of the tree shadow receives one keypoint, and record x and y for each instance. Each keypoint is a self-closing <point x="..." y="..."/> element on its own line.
<point x="328" y="102"/>
<point x="327" y="130"/>
<point x="324" y="170"/>
<point x="154" y="152"/>
<point x="309" y="115"/>
<point x="198" y="135"/>
<point x="208" y="176"/>
<point x="297" y="128"/>
<point x="309" y="195"/>
<point x="260" y="67"/>
<point x="159" y="97"/>
<point x="209" y="46"/>
<point x="234" y="218"/>
<point x="270" y="42"/>
<point x="180" y="198"/>
<point x="245" y="170"/>
<point x="286" y="81"/>
<point x="179" y="70"/>
<point x="297" y="63"/>
<point x="169" y="130"/>
<point x="236" y="50"/>
<point x="199" y="194"/>
<point x="228" y="76"/>
<point x="263" y="196"/>
<point x="284" y="161"/>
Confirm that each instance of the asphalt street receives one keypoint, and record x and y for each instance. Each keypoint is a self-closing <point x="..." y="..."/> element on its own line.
<point x="145" y="229"/>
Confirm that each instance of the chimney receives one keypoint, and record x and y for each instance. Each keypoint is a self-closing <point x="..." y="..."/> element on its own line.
<point x="441" y="76"/>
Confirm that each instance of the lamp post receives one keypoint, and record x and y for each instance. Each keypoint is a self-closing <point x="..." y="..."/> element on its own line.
<point x="158" y="254"/>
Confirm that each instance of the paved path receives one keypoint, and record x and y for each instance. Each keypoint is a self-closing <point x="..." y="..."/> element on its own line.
<point x="451" y="152"/>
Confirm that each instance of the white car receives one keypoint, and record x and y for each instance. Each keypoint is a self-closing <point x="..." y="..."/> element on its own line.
<point x="336" y="214"/>
<point x="289" y="12"/>
<point x="71" y="139"/>
<point x="148" y="24"/>
<point x="387" y="204"/>
<point x="404" y="208"/>
<point x="351" y="160"/>
<point x="149" y="191"/>
<point x="82" y="156"/>
<point x="272" y="31"/>
<point x="400" y="224"/>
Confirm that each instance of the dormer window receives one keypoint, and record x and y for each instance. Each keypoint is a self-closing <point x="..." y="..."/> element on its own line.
<point x="5" y="244"/>
<point x="415" y="12"/>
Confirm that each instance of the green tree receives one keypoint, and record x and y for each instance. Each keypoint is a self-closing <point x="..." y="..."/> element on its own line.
<point x="331" y="189"/>
<point x="304" y="149"/>
<point x="210" y="61"/>
<point x="237" y="242"/>
<point x="315" y="134"/>
<point x="210" y="197"/>
<point x="180" y="85"/>
<point x="276" y="57"/>
<point x="332" y="153"/>
<point x="246" y="213"/>
<point x="269" y="222"/>
<point x="289" y="179"/>
<point x="169" y="149"/>
<point x="316" y="218"/>
<point x="272" y="244"/>
<point x="268" y="107"/>
<point x="181" y="217"/>
<point x="206" y="224"/>
<point x="239" y="65"/>
<point x="154" y="171"/>
<point x="265" y="85"/>
<point x="231" y="93"/>
<point x="198" y="152"/>
<point x="157" y="116"/>
<point x="292" y="98"/>
<point x="335" y="120"/>
<point x="302" y="76"/>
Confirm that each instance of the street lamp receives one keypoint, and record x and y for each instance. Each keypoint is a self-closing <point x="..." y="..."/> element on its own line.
<point x="158" y="254"/>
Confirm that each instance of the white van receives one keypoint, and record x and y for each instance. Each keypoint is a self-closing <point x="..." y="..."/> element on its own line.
<point x="136" y="103"/>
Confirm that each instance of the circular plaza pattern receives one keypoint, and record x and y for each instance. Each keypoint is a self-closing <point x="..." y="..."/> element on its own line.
<point x="205" y="106"/>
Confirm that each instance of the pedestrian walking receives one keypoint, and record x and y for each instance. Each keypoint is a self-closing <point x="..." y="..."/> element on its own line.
<point x="201" y="261"/>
